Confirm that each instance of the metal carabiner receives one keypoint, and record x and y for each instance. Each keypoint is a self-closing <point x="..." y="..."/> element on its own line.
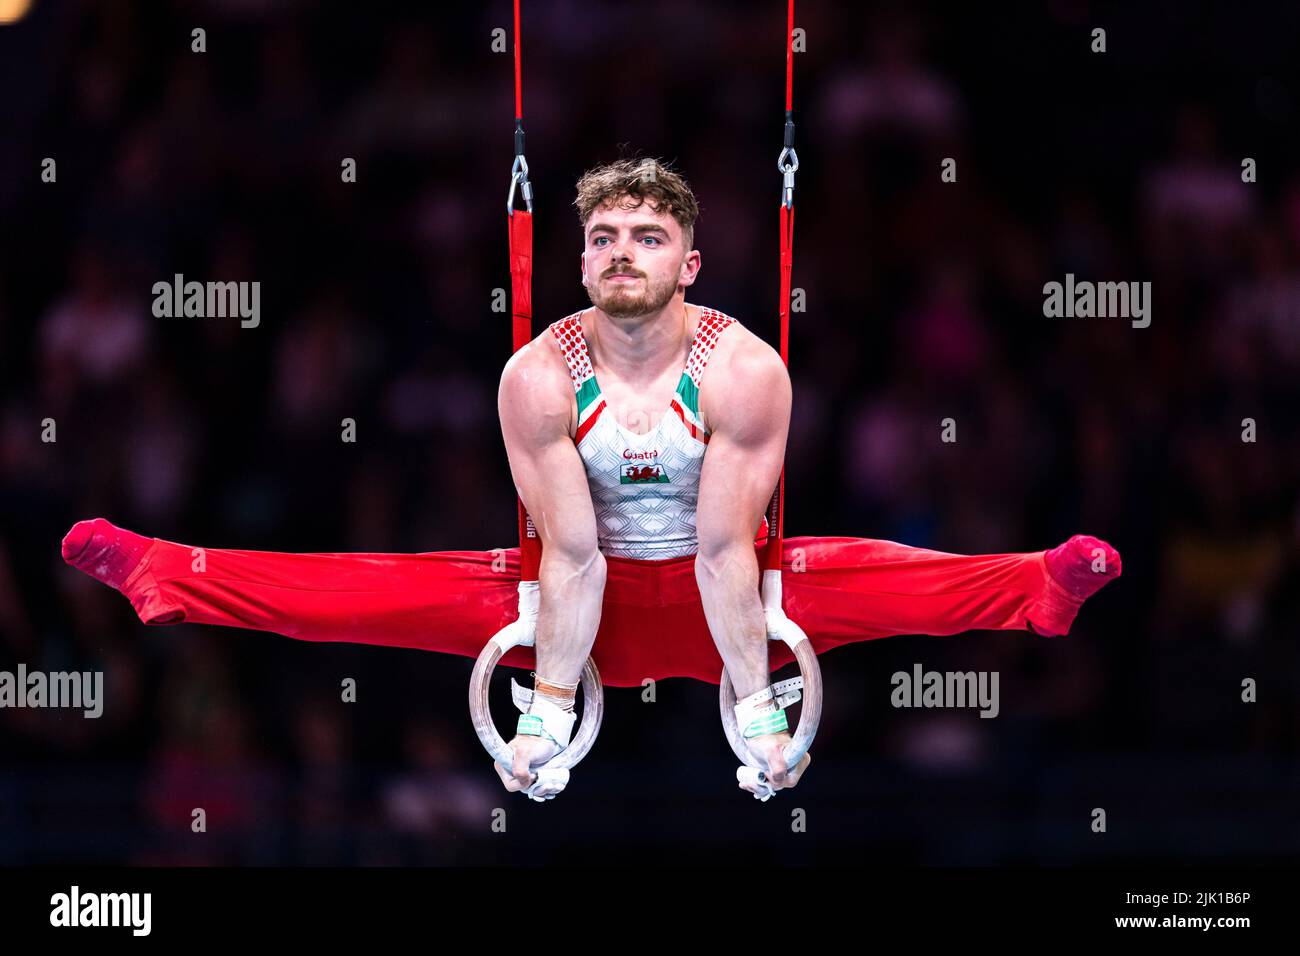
<point x="519" y="178"/>
<point x="787" y="167"/>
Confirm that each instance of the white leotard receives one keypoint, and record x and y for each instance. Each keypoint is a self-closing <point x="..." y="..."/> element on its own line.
<point x="644" y="487"/>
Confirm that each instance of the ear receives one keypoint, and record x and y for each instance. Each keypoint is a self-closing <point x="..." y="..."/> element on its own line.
<point x="582" y="260"/>
<point x="690" y="270"/>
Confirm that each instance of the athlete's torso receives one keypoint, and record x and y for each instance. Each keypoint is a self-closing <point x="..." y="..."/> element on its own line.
<point x="644" y="488"/>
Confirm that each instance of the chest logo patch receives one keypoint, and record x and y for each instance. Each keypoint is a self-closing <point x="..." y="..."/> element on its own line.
<point x="641" y="467"/>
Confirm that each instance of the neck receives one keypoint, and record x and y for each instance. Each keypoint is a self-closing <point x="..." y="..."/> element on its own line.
<point x="640" y="348"/>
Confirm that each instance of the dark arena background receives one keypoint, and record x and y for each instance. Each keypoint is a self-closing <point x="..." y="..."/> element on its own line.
<point x="1167" y="157"/>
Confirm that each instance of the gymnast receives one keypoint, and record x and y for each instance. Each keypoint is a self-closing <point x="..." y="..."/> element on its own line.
<point x="645" y="436"/>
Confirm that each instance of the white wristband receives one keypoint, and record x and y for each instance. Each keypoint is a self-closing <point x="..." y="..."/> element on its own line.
<point x="557" y="723"/>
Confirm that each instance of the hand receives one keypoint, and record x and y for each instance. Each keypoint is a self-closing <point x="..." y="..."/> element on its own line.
<point x="529" y="752"/>
<point x="770" y="748"/>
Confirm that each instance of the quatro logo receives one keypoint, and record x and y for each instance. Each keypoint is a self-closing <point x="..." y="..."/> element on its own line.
<point x="648" y="469"/>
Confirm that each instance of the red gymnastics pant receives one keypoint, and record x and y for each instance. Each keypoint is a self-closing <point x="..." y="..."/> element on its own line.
<point x="839" y="590"/>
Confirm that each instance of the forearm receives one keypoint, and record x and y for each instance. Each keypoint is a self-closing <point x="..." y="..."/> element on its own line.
<point x="572" y="591"/>
<point x="728" y="582"/>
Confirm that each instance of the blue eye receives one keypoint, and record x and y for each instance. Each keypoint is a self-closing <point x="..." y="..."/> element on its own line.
<point x="602" y="239"/>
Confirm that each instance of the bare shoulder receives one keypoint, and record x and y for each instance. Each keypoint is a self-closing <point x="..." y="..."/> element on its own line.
<point x="745" y="378"/>
<point x="742" y="363"/>
<point x="741" y="350"/>
<point x="535" y="385"/>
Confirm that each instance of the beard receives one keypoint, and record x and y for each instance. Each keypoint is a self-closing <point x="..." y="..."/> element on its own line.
<point x="630" y="300"/>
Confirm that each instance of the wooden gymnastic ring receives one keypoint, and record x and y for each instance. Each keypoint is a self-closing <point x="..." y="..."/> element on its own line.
<point x="593" y="697"/>
<point x="809" y="717"/>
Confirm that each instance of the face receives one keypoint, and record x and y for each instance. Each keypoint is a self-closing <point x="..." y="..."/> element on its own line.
<point x="635" y="260"/>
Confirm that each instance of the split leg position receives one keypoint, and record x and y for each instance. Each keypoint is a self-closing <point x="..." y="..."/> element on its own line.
<point x="840" y="590"/>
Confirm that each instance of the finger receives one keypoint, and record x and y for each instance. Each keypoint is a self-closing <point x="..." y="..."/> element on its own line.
<point x="523" y="776"/>
<point x="760" y="788"/>
<point x="796" y="774"/>
<point x="776" y="768"/>
<point x="510" y="782"/>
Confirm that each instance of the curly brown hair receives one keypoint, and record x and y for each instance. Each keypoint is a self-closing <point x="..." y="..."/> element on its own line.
<point x="639" y="180"/>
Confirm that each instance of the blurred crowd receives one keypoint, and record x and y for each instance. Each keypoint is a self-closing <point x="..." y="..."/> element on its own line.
<point x="924" y="303"/>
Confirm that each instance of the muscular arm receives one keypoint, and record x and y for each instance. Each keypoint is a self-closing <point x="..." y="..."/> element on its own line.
<point x="536" y="405"/>
<point x="746" y="404"/>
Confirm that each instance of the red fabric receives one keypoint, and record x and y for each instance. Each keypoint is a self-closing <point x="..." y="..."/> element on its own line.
<point x="840" y="590"/>
<point x="521" y="324"/>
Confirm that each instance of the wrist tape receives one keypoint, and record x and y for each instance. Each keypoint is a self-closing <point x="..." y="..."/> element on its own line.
<point x="543" y="716"/>
<point x="764" y="712"/>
